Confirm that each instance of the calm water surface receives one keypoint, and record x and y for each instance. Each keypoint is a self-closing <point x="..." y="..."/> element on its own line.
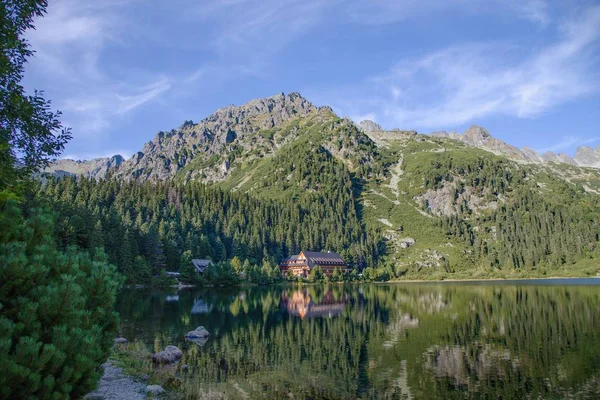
<point x="510" y="340"/>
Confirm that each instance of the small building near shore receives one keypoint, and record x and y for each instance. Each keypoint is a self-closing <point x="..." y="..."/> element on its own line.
<point x="201" y="265"/>
<point x="301" y="264"/>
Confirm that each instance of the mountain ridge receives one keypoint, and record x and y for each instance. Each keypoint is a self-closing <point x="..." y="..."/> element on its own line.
<point x="433" y="205"/>
<point x="481" y="138"/>
<point x="191" y="145"/>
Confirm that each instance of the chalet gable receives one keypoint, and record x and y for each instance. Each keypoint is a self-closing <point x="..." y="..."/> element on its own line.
<point x="301" y="264"/>
<point x="321" y="258"/>
<point x="200" y="265"/>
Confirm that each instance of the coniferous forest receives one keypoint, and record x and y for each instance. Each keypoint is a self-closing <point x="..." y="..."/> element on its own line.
<point x="145" y="228"/>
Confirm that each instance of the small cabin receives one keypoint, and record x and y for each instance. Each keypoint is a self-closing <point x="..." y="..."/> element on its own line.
<point x="201" y="265"/>
<point x="301" y="264"/>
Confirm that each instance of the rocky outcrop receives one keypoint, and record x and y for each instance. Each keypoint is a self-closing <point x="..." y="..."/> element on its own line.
<point x="586" y="156"/>
<point x="452" y="200"/>
<point x="369" y="126"/>
<point x="405" y="243"/>
<point x="97" y="168"/>
<point x="169" y="355"/>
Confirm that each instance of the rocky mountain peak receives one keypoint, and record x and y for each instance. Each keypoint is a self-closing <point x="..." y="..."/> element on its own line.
<point x="587" y="156"/>
<point x="476" y="135"/>
<point x="249" y="126"/>
<point x="267" y="112"/>
<point x="369" y="126"/>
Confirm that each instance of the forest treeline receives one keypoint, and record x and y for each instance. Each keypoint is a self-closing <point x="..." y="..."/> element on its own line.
<point x="146" y="227"/>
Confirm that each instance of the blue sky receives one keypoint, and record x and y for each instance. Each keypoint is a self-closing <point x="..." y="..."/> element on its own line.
<point x="121" y="70"/>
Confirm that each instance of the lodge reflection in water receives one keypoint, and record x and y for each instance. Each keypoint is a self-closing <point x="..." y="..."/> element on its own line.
<point x="302" y="304"/>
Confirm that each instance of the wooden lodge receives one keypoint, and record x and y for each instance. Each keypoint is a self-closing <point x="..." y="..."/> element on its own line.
<point x="301" y="264"/>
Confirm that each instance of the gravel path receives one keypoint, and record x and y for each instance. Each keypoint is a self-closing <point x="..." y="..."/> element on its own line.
<point x="115" y="385"/>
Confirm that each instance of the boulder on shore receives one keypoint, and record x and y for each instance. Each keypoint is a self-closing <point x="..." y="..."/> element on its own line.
<point x="169" y="355"/>
<point x="198" y="333"/>
<point x="154" y="390"/>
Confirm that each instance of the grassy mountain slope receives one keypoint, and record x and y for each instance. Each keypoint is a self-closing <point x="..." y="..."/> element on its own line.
<point x="472" y="213"/>
<point x="442" y="206"/>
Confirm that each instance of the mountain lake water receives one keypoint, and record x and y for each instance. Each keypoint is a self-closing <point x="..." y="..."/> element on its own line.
<point x="537" y="339"/>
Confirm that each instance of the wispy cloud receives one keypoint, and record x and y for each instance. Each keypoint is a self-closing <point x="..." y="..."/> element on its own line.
<point x="381" y="12"/>
<point x="568" y="142"/>
<point x="146" y="94"/>
<point x="467" y="82"/>
<point x="104" y="154"/>
<point x="253" y="28"/>
<point x="364" y="117"/>
<point x="535" y="11"/>
<point x="223" y="73"/>
<point x="69" y="43"/>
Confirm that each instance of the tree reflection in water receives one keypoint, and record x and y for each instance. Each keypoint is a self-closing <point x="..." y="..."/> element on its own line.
<point x="380" y="341"/>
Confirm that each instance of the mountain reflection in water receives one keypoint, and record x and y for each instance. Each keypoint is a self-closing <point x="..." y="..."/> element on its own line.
<point x="430" y="341"/>
<point x="301" y="303"/>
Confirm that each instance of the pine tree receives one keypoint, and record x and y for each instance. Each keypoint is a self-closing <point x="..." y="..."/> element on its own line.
<point x="187" y="269"/>
<point x="56" y="319"/>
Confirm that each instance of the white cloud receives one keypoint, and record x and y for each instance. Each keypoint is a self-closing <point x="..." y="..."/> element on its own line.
<point x="463" y="83"/>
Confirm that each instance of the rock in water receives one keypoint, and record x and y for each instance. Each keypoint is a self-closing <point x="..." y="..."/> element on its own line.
<point x="199" y="332"/>
<point x="169" y="355"/>
<point x="199" y="341"/>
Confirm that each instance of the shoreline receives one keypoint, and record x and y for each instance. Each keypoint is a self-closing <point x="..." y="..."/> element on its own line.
<point x="458" y="280"/>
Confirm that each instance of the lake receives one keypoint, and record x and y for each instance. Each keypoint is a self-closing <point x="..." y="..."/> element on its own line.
<point x="511" y="340"/>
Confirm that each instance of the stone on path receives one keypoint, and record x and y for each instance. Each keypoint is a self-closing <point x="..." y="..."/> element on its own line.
<point x="115" y="385"/>
<point x="154" y="390"/>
